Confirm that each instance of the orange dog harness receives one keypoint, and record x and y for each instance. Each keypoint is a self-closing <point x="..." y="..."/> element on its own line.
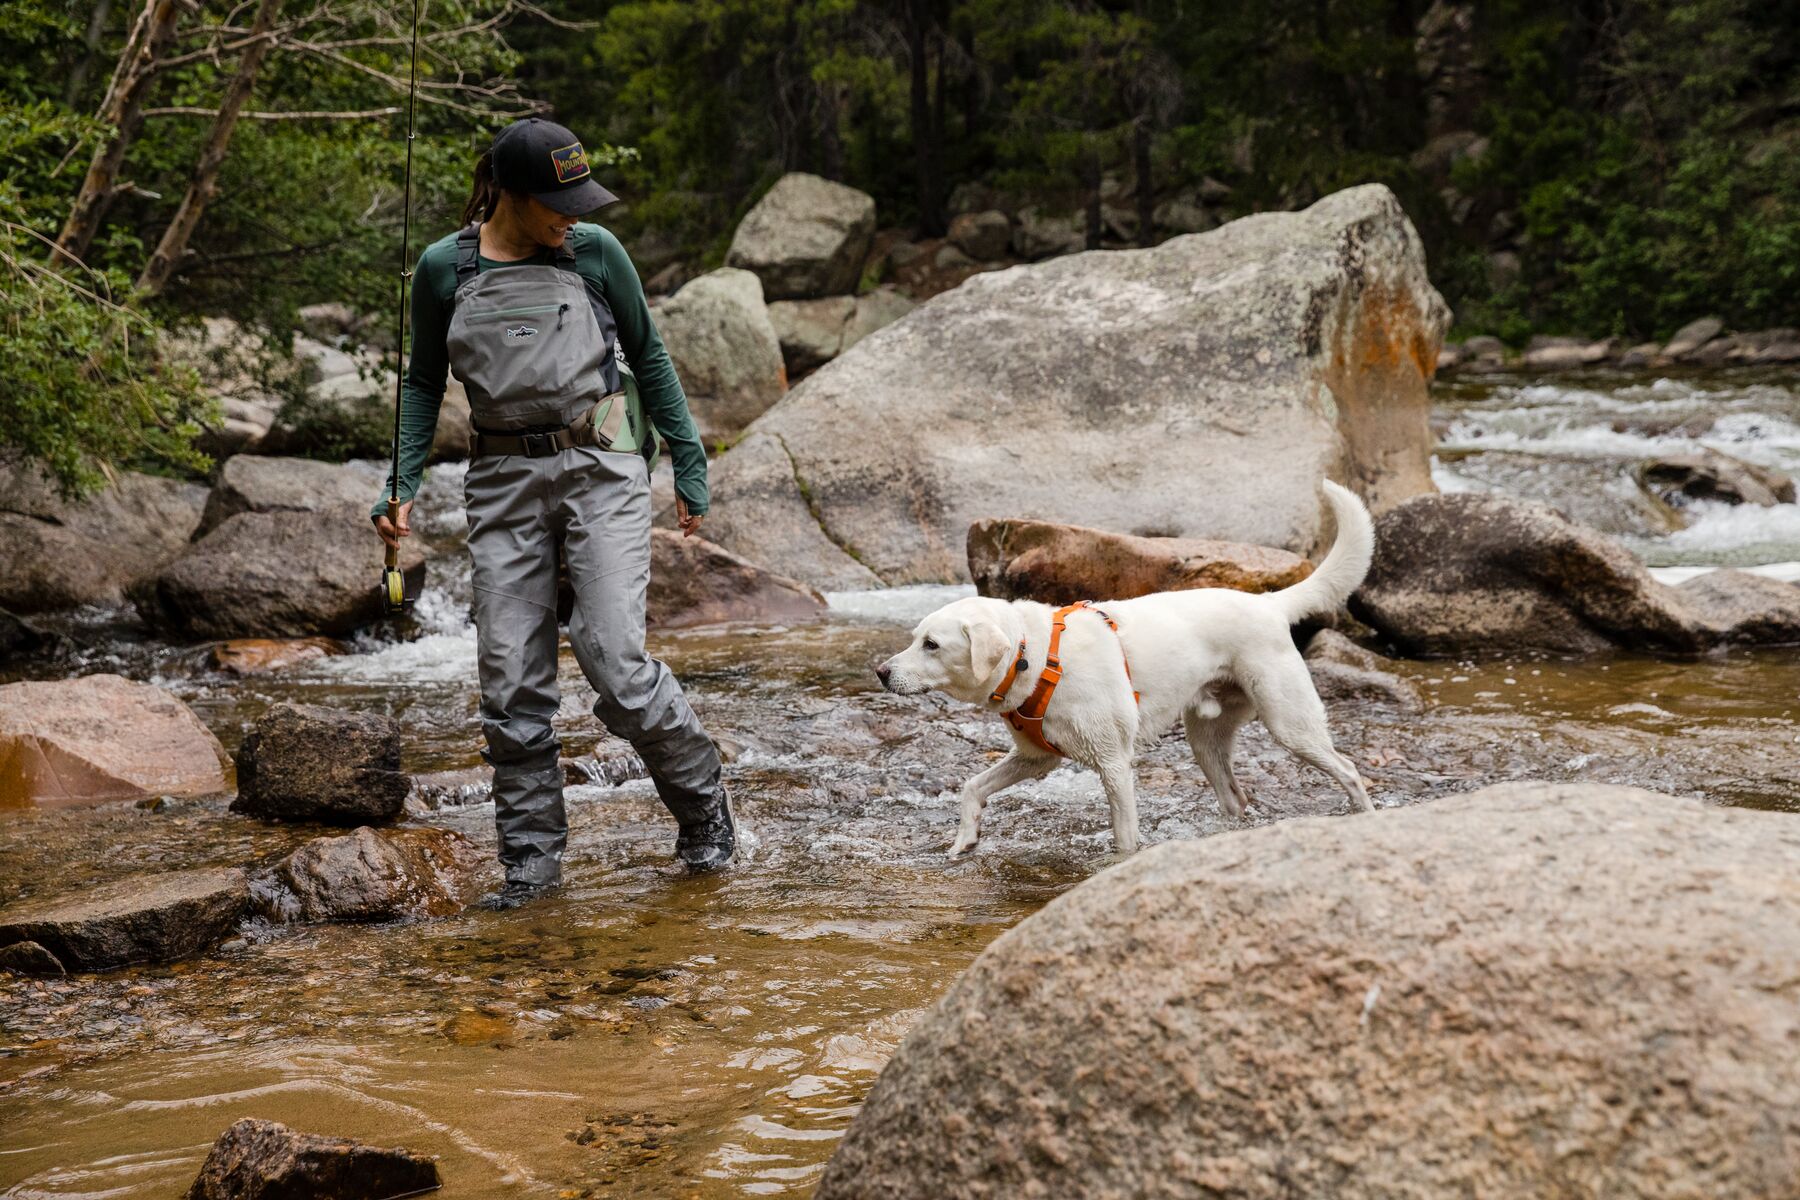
<point x="1028" y="718"/>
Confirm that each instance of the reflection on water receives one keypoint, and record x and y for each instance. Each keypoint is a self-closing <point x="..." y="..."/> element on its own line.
<point x="642" y="1033"/>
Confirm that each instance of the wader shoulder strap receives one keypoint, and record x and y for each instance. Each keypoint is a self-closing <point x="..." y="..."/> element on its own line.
<point x="468" y="251"/>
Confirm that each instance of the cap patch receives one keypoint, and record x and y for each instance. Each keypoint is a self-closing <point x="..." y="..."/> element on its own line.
<point x="571" y="163"/>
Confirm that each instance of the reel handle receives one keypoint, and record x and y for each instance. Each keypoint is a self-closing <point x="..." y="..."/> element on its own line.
<point x="393" y="584"/>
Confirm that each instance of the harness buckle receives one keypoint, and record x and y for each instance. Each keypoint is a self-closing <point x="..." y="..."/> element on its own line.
<point x="538" y="445"/>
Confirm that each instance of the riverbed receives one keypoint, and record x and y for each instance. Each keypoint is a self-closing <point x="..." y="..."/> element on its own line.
<point x="643" y="1033"/>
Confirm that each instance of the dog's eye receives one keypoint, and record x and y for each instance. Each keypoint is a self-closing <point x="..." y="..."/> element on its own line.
<point x="928" y="644"/>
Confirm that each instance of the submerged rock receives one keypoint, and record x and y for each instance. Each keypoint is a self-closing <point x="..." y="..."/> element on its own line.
<point x="1061" y="564"/>
<point x="278" y="574"/>
<point x="1473" y="572"/>
<point x="725" y="349"/>
<point x="382" y="875"/>
<point x="1432" y="1001"/>
<point x="29" y="958"/>
<point x="693" y="582"/>
<point x="258" y="483"/>
<point x="62" y="554"/>
<point x="265" y="1160"/>
<point x="1199" y="388"/>
<point x="303" y="762"/>
<point x="259" y="656"/>
<point x="101" y="737"/>
<point x="141" y="918"/>
<point x="1706" y="474"/>
<point x="806" y="237"/>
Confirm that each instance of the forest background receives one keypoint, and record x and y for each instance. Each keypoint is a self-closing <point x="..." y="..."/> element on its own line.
<point x="1600" y="167"/>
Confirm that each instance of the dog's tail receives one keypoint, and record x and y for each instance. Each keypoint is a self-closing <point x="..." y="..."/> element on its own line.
<point x="1326" y="589"/>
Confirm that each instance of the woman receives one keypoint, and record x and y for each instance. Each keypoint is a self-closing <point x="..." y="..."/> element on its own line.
<point x="532" y="309"/>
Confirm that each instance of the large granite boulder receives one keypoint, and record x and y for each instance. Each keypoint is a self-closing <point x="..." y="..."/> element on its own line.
<point x="379" y="875"/>
<point x="278" y="574"/>
<point x="303" y="762"/>
<point x="806" y="237"/>
<point x="1061" y="564"/>
<point x="265" y="1160"/>
<point x="62" y="554"/>
<point x="1471" y="572"/>
<point x="141" y="918"/>
<point x="256" y="483"/>
<point x="1533" y="990"/>
<point x="1201" y="388"/>
<point x="725" y="350"/>
<point x="693" y="582"/>
<point x="101" y="737"/>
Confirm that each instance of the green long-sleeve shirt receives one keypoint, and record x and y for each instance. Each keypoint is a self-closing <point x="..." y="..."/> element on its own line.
<point x="600" y="259"/>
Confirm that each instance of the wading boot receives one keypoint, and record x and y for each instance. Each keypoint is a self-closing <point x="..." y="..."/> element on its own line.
<point x="515" y="893"/>
<point x="708" y="845"/>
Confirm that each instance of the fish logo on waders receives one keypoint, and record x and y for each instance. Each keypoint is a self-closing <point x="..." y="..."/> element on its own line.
<point x="521" y="332"/>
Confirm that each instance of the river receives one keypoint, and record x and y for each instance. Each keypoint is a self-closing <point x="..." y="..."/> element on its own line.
<point x="647" y="1034"/>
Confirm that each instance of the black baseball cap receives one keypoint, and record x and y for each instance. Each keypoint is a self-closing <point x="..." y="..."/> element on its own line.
<point x="546" y="161"/>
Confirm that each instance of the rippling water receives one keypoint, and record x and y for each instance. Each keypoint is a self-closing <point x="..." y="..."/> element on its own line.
<point x="647" y="1034"/>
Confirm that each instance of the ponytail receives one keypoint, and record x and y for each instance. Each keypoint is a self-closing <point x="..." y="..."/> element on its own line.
<point x="484" y="197"/>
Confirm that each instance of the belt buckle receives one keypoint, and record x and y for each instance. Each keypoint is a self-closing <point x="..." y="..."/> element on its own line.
<point x="538" y="445"/>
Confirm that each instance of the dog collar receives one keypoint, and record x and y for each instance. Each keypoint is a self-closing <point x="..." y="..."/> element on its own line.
<point x="1019" y="664"/>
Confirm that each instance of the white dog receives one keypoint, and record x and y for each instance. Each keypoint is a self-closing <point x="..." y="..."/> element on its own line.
<point x="1212" y="656"/>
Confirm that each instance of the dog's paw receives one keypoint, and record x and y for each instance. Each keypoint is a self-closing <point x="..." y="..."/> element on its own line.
<point x="960" y="848"/>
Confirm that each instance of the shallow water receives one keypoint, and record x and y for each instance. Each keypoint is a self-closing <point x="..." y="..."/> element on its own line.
<point x="647" y="1034"/>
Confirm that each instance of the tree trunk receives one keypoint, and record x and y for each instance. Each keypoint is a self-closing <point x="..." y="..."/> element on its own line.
<point x="122" y="112"/>
<point x="931" y="217"/>
<point x="830" y="107"/>
<point x="1090" y="184"/>
<point x="78" y="72"/>
<point x="1146" y="185"/>
<point x="205" y="183"/>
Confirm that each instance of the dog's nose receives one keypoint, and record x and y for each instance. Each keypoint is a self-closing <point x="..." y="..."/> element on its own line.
<point x="882" y="672"/>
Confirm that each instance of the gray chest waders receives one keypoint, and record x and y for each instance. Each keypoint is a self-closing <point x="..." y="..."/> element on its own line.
<point x="535" y="350"/>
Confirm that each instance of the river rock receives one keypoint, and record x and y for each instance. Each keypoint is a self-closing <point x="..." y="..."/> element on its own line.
<point x="101" y="737"/>
<point x="876" y="310"/>
<point x="1473" y="572"/>
<point x="1200" y="388"/>
<point x="725" y="349"/>
<point x="981" y="235"/>
<point x="29" y="958"/>
<point x="455" y="436"/>
<point x="265" y="1160"/>
<point x="1692" y="336"/>
<point x="63" y="554"/>
<point x="806" y="237"/>
<point x="1640" y="355"/>
<point x="1061" y="564"/>
<point x="260" y="656"/>
<point x="303" y="762"/>
<point x="1344" y="671"/>
<point x="1706" y="474"/>
<point x="256" y="483"/>
<point x="1042" y="235"/>
<point x="811" y="332"/>
<point x="694" y="582"/>
<point x="278" y="574"/>
<point x="1563" y="353"/>
<point x="1463" y="998"/>
<point x="140" y="918"/>
<point x="19" y="638"/>
<point x="241" y="372"/>
<point x="382" y="875"/>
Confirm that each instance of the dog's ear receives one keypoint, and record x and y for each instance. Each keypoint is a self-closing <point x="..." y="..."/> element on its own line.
<point x="987" y="646"/>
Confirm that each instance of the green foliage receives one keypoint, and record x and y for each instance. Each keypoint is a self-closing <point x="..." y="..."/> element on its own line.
<point x="84" y="394"/>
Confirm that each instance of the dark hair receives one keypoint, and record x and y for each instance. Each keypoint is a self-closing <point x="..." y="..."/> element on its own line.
<point x="484" y="197"/>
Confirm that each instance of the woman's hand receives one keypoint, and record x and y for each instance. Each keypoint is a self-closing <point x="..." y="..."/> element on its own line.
<point x="690" y="524"/>
<point x="390" y="531"/>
